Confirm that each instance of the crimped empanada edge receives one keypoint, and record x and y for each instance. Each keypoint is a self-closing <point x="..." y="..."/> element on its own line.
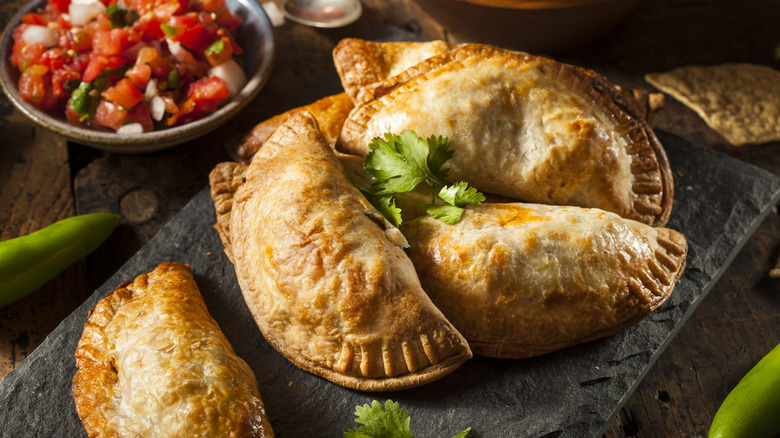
<point x="224" y="180"/>
<point x="389" y="383"/>
<point x="646" y="153"/>
<point x="672" y="253"/>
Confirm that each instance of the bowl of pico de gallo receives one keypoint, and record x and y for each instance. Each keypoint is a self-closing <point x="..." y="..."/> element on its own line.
<point x="134" y="76"/>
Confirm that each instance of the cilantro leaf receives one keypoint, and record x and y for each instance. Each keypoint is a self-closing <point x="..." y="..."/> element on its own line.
<point x="216" y="47"/>
<point x="170" y="31"/>
<point x="391" y="422"/>
<point x="82" y="102"/>
<point x="399" y="163"/>
<point x="449" y="214"/>
<point x="438" y="154"/>
<point x="385" y="204"/>
<point x="461" y="195"/>
<point x="396" y="163"/>
<point x="463" y="434"/>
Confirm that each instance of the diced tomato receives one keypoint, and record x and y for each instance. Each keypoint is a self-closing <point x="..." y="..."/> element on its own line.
<point x="58" y="79"/>
<point x="223" y="52"/>
<point x="33" y="18"/>
<point x="148" y="26"/>
<point x="35" y="87"/>
<point x="210" y="5"/>
<point x="209" y="89"/>
<point x="168" y="8"/>
<point x="109" y="42"/>
<point x="170" y="103"/>
<point x="139" y="75"/>
<point x="124" y="93"/>
<point x="110" y="115"/>
<point x="150" y="55"/>
<point x="78" y="41"/>
<point x="191" y="68"/>
<point x="61" y="6"/>
<point x="140" y="114"/>
<point x="189" y="31"/>
<point x="97" y="63"/>
<point x="28" y="54"/>
<point x="84" y="53"/>
<point x="73" y="117"/>
<point x="55" y="58"/>
<point x="224" y="16"/>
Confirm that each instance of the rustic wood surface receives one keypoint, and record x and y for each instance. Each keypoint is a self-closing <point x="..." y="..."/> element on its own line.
<point x="44" y="179"/>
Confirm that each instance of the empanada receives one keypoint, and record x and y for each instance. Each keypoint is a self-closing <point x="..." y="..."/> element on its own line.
<point x="524" y="127"/>
<point x="330" y="112"/>
<point x="153" y="363"/>
<point x="360" y="63"/>
<point x="323" y="272"/>
<point x="519" y="280"/>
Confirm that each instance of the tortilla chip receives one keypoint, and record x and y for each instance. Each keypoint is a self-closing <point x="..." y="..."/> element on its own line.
<point x="739" y="101"/>
<point x="775" y="272"/>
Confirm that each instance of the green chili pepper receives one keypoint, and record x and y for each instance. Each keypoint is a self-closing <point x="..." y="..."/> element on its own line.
<point x="29" y="262"/>
<point x="752" y="408"/>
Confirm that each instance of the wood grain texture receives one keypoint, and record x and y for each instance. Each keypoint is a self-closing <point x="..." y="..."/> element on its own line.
<point x="35" y="191"/>
<point x="735" y="325"/>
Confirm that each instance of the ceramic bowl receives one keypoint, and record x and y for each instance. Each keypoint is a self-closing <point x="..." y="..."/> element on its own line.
<point x="256" y="35"/>
<point x="537" y="26"/>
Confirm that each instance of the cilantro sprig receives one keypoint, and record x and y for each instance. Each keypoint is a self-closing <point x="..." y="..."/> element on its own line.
<point x="399" y="163"/>
<point x="391" y="422"/>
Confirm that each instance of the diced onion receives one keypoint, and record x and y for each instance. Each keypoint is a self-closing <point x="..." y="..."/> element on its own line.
<point x="157" y="108"/>
<point x="130" y="128"/>
<point x="232" y="74"/>
<point x="151" y="89"/>
<point x="35" y="34"/>
<point x="173" y="47"/>
<point x="83" y="11"/>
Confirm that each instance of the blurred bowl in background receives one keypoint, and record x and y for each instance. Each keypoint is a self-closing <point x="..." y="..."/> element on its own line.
<point x="544" y="26"/>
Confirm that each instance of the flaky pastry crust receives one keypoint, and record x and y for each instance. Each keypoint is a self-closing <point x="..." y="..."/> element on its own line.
<point x="323" y="272"/>
<point x="524" y="127"/>
<point x="330" y="112"/>
<point x="520" y="280"/>
<point x="360" y="63"/>
<point x="152" y="362"/>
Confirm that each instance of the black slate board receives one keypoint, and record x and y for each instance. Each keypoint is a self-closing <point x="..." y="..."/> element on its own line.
<point x="719" y="202"/>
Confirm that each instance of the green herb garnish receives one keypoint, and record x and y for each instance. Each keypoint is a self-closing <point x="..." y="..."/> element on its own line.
<point x="399" y="163"/>
<point x="391" y="422"/>
<point x="119" y="17"/>
<point x="215" y="48"/>
<point x="83" y="101"/>
<point x="169" y="30"/>
<point x="86" y="96"/>
<point x="172" y="79"/>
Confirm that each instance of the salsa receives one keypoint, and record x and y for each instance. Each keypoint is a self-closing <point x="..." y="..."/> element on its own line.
<point x="130" y="66"/>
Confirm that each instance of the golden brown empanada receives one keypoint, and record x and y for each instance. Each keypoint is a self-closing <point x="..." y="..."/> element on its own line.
<point x="323" y="272"/>
<point x="153" y="363"/>
<point x="360" y="62"/>
<point x="330" y="112"/>
<point x="519" y="280"/>
<point x="524" y="127"/>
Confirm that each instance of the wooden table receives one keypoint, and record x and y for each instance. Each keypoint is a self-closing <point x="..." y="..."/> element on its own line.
<point x="44" y="178"/>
